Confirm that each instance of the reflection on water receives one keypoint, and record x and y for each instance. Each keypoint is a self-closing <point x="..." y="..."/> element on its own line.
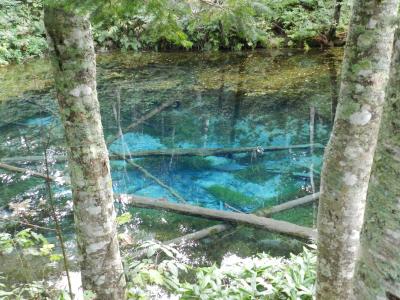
<point x="226" y="100"/>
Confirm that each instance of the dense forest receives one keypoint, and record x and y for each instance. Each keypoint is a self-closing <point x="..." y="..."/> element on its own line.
<point x="187" y="25"/>
<point x="203" y="149"/>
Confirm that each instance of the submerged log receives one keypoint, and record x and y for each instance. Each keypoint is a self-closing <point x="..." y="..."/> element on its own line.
<point x="28" y="172"/>
<point x="288" y="205"/>
<point x="203" y="233"/>
<point x="231" y="217"/>
<point x="198" y="235"/>
<point x="178" y="152"/>
<point x="217" y="151"/>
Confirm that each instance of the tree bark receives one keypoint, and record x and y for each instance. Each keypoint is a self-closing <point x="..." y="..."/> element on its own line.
<point x="334" y="85"/>
<point x="70" y="39"/>
<point x="378" y="268"/>
<point x="213" y="214"/>
<point x="349" y="155"/>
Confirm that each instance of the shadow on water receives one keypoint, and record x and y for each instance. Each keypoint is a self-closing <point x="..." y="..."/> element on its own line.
<point x="223" y="100"/>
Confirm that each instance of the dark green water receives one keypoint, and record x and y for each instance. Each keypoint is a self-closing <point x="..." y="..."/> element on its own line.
<point x="262" y="98"/>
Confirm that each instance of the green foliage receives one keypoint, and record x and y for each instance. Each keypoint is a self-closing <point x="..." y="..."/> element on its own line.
<point x="229" y="196"/>
<point x="165" y="24"/>
<point x="31" y="290"/>
<point x="302" y="21"/>
<point x="27" y="241"/>
<point x="21" y="30"/>
<point x="259" y="277"/>
<point x="124" y="218"/>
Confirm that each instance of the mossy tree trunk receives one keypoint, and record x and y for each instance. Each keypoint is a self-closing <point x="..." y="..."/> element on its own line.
<point x="349" y="155"/>
<point x="70" y="39"/>
<point x="336" y="20"/>
<point x="378" y="269"/>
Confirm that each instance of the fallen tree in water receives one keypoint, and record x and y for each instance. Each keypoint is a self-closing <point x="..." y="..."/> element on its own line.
<point x="203" y="233"/>
<point x="258" y="150"/>
<point x="230" y="217"/>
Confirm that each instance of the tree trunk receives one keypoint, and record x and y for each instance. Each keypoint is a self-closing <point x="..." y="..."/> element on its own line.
<point x="349" y="155"/>
<point x="335" y="23"/>
<point x="378" y="269"/>
<point x="71" y="42"/>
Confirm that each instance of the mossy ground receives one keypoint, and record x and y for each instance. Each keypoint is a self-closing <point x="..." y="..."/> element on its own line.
<point x="230" y="196"/>
<point x="255" y="173"/>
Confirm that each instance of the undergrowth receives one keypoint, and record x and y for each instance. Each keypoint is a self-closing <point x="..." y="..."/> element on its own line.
<point x="163" y="272"/>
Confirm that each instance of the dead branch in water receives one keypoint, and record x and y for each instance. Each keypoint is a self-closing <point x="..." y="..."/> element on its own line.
<point x="178" y="152"/>
<point x="28" y="172"/>
<point x="143" y="119"/>
<point x="152" y="177"/>
<point x="203" y="233"/>
<point x="231" y="217"/>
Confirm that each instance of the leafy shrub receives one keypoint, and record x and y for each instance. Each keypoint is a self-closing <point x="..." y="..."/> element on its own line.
<point x="25" y="244"/>
<point x="21" y="30"/>
<point x="259" y="277"/>
<point x="158" y="271"/>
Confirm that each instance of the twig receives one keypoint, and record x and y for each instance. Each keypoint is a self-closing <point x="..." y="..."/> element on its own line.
<point x="58" y="227"/>
<point x="142" y="119"/>
<point x="25" y="171"/>
<point x="232" y="208"/>
<point x="213" y="4"/>
<point x="34" y="226"/>
<point x="155" y="179"/>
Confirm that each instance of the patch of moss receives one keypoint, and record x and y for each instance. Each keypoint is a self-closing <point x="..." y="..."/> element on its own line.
<point x="255" y="173"/>
<point x="300" y="215"/>
<point x="289" y="189"/>
<point x="230" y="196"/>
<point x="193" y="163"/>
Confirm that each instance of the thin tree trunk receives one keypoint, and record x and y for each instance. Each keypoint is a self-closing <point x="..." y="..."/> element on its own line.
<point x="312" y="183"/>
<point x="334" y="85"/>
<point x="71" y="42"/>
<point x="378" y="269"/>
<point x="336" y="19"/>
<point x="349" y="155"/>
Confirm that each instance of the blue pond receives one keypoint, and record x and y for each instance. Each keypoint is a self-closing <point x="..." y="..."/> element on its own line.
<point x="226" y="100"/>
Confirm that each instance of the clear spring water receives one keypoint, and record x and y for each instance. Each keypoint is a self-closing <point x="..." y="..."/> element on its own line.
<point x="260" y="98"/>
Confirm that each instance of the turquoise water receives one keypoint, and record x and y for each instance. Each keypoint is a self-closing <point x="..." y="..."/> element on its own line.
<point x="225" y="100"/>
